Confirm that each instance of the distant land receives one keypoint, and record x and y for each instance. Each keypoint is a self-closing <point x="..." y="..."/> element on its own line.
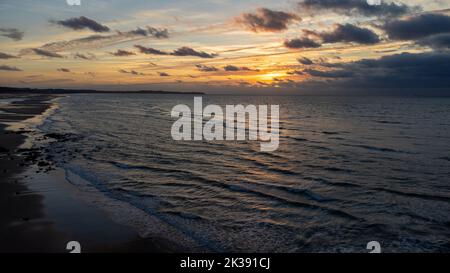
<point x="12" y="90"/>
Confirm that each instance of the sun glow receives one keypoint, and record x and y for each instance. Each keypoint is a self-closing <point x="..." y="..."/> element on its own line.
<point x="271" y="76"/>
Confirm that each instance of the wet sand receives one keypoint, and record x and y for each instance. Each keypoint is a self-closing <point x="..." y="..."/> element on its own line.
<point x="39" y="209"/>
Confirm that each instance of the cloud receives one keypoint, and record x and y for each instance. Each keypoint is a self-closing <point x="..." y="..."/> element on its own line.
<point x="295" y="72"/>
<point x="417" y="27"/>
<point x="231" y="68"/>
<point x="406" y="70"/>
<point x="12" y="33"/>
<point x="158" y="33"/>
<point x="329" y="74"/>
<point x="132" y="72"/>
<point x="122" y="53"/>
<point x="5" y="56"/>
<point x="206" y="68"/>
<point x="301" y="43"/>
<point x="80" y="23"/>
<point x="237" y="68"/>
<point x="138" y="31"/>
<point x="350" y="33"/>
<point x="438" y="41"/>
<point x="284" y="82"/>
<point x="347" y="33"/>
<point x="91" y="74"/>
<point x="187" y="51"/>
<point x="244" y="83"/>
<point x="9" y="68"/>
<point x="45" y="53"/>
<point x="266" y="20"/>
<point x="87" y="56"/>
<point x="358" y="7"/>
<point x="305" y="61"/>
<point x="99" y="41"/>
<point x="65" y="70"/>
<point x="163" y="74"/>
<point x="93" y="41"/>
<point x="149" y="31"/>
<point x="150" y="50"/>
<point x="182" y="51"/>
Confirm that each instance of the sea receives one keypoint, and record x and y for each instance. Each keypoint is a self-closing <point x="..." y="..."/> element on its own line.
<point x="349" y="170"/>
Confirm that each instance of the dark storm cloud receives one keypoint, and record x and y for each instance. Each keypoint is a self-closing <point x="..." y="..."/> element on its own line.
<point x="439" y="41"/>
<point x="9" y="68"/>
<point x="360" y="7"/>
<point x="418" y="27"/>
<point x="206" y="68"/>
<point x="406" y="70"/>
<point x="45" y="53"/>
<point x="163" y="74"/>
<point x="5" y="56"/>
<point x="267" y="20"/>
<point x="182" y="51"/>
<point x="187" y="51"/>
<point x="238" y="68"/>
<point x="330" y="74"/>
<point x="65" y="70"/>
<point x="301" y="43"/>
<point x="347" y="33"/>
<point x="150" y="50"/>
<point x="350" y="33"/>
<point x="80" y="23"/>
<point x="305" y="61"/>
<point x="12" y="33"/>
<point x="122" y="53"/>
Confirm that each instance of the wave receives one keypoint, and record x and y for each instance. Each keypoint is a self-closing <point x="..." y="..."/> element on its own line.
<point x="446" y="158"/>
<point x="375" y="148"/>
<point x="432" y="197"/>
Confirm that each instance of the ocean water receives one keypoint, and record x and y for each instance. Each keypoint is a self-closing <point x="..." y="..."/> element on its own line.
<point x="349" y="170"/>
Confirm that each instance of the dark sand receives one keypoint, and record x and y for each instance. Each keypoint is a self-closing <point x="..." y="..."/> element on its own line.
<point x="26" y="226"/>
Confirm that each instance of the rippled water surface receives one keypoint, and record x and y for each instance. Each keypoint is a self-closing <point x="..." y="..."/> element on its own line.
<point x="349" y="170"/>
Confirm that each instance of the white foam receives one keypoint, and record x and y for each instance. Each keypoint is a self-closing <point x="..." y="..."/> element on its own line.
<point x="126" y="214"/>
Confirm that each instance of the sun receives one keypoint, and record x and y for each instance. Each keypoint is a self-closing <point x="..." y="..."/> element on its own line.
<point x="271" y="76"/>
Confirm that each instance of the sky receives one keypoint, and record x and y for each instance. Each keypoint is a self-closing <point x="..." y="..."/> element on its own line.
<point x="228" y="46"/>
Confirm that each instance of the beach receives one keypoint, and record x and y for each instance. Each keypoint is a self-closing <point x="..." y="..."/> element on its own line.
<point x="40" y="210"/>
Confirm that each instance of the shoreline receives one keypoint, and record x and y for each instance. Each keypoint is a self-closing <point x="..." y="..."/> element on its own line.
<point x="19" y="231"/>
<point x="40" y="209"/>
<point x="16" y="90"/>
